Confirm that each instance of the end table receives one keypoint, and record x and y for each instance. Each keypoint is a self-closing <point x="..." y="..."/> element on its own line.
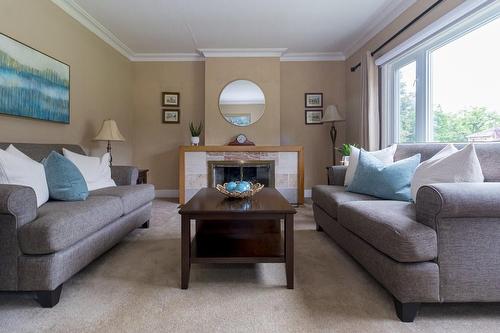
<point x="143" y="176"/>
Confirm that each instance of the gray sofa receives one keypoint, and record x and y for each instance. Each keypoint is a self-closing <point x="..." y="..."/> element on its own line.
<point x="443" y="248"/>
<point x="42" y="248"/>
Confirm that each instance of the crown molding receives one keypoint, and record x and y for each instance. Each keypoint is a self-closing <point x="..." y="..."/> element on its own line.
<point x="239" y="53"/>
<point x="390" y="13"/>
<point x="79" y="14"/>
<point x="313" y="56"/>
<point x="138" y="57"/>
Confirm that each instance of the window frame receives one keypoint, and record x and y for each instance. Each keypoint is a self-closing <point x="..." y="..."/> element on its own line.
<point x="421" y="54"/>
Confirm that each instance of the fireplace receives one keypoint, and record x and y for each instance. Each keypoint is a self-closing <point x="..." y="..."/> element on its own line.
<point x="261" y="171"/>
<point x="281" y="167"/>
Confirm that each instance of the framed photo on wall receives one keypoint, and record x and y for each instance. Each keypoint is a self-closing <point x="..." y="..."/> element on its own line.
<point x="171" y="116"/>
<point x="313" y="117"/>
<point x="171" y="99"/>
<point x="314" y="100"/>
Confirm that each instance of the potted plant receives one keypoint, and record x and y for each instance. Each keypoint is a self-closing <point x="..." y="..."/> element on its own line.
<point x="195" y="133"/>
<point x="345" y="151"/>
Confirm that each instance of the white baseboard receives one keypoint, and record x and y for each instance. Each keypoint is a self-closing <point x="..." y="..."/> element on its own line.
<point x="167" y="193"/>
<point x="175" y="193"/>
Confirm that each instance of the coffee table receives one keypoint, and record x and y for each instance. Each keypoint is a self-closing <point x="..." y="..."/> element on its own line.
<point x="237" y="231"/>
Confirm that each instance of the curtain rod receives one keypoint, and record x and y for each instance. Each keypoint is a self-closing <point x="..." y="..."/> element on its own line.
<point x="353" y="68"/>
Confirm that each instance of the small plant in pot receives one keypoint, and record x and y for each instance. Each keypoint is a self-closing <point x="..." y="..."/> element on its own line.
<point x="195" y="133"/>
<point x="345" y="151"/>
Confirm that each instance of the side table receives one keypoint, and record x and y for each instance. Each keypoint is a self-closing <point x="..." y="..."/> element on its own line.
<point x="143" y="176"/>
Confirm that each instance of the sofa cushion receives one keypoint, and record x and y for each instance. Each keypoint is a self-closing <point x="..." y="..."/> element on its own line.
<point x="65" y="181"/>
<point x="61" y="224"/>
<point x="391" y="228"/>
<point x="330" y="197"/>
<point x="391" y="181"/>
<point x="132" y="196"/>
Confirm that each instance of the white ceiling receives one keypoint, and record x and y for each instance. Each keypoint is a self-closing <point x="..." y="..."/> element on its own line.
<point x="150" y="29"/>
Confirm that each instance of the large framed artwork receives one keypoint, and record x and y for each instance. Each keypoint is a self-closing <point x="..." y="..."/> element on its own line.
<point x="32" y="84"/>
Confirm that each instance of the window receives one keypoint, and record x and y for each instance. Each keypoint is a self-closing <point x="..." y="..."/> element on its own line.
<point x="448" y="88"/>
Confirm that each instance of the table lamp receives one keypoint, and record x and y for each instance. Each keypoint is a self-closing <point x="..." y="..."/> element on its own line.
<point x="332" y="115"/>
<point x="109" y="132"/>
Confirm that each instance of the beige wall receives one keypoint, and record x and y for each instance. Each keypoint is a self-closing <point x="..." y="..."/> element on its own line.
<point x="155" y="143"/>
<point x="298" y="78"/>
<point x="265" y="72"/>
<point x="353" y="80"/>
<point x="100" y="77"/>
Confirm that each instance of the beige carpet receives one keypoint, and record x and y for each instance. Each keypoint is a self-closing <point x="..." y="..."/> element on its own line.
<point x="135" y="288"/>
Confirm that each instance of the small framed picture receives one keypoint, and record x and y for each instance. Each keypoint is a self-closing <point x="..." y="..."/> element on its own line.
<point x="171" y="99"/>
<point x="313" y="117"/>
<point x="171" y="116"/>
<point x="314" y="100"/>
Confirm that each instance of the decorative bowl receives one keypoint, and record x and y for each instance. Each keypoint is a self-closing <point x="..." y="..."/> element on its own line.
<point x="254" y="188"/>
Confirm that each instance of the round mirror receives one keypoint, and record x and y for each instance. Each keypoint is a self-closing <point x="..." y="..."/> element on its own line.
<point x="242" y="102"/>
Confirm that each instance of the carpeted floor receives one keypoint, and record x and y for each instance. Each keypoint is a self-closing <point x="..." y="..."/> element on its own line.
<point x="135" y="288"/>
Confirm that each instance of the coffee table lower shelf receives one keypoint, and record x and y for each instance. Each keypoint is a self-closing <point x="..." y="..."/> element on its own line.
<point x="238" y="248"/>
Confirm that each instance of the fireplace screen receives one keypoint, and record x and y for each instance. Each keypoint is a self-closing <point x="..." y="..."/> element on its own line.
<point x="220" y="172"/>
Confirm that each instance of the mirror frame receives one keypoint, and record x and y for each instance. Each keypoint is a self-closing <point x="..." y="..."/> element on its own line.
<point x="222" y="114"/>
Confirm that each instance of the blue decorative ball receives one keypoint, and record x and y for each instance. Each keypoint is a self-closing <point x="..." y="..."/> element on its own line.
<point x="242" y="186"/>
<point x="231" y="186"/>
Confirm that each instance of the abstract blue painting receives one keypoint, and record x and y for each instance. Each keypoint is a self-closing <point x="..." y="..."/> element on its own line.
<point x="32" y="84"/>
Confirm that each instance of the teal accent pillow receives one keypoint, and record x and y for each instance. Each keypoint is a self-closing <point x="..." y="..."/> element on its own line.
<point x="392" y="182"/>
<point x="64" y="180"/>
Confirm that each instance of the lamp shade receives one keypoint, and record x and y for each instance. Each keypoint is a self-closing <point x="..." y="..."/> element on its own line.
<point x="109" y="132"/>
<point x="331" y="114"/>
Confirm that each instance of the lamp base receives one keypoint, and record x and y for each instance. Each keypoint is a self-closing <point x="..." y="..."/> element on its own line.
<point x="108" y="149"/>
<point x="333" y="136"/>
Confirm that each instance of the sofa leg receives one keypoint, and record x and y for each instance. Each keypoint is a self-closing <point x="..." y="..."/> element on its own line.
<point x="318" y="227"/>
<point x="145" y="225"/>
<point x="406" y="311"/>
<point x="49" y="298"/>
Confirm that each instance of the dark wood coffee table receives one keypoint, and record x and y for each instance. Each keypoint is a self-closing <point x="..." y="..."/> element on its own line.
<point x="237" y="231"/>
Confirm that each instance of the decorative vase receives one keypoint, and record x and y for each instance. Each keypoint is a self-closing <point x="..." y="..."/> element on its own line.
<point x="345" y="160"/>
<point x="195" y="140"/>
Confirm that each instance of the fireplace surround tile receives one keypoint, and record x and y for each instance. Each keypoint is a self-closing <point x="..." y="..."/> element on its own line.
<point x="196" y="163"/>
<point x="193" y="167"/>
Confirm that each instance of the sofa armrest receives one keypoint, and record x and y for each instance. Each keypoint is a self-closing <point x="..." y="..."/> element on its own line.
<point x="466" y="218"/>
<point x="124" y="175"/>
<point x="18" y="201"/>
<point x="457" y="200"/>
<point x="336" y="174"/>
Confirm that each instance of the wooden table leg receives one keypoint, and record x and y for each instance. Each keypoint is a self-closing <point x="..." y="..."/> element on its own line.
<point x="185" y="251"/>
<point x="289" y="250"/>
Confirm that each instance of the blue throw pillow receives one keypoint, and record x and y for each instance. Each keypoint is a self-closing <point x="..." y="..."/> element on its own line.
<point x="64" y="180"/>
<point x="390" y="182"/>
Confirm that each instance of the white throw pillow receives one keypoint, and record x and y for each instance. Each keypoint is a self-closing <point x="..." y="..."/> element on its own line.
<point x="18" y="169"/>
<point x="449" y="165"/>
<point x="385" y="155"/>
<point x="95" y="170"/>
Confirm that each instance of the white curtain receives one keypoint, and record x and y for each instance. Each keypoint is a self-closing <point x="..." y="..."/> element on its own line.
<point x="370" y="118"/>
